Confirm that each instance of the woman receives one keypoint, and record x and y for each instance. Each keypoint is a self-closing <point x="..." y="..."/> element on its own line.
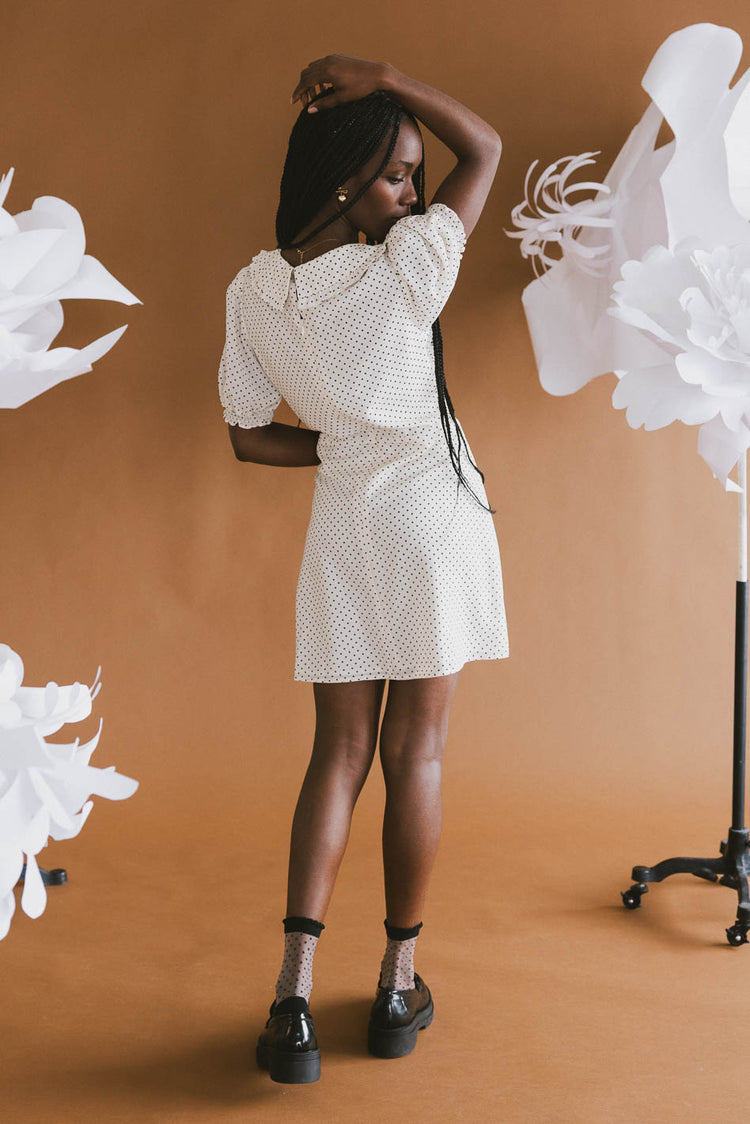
<point x="400" y="576"/>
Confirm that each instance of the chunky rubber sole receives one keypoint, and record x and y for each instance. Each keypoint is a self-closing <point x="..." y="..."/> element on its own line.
<point x="398" y="1041"/>
<point x="288" y="1068"/>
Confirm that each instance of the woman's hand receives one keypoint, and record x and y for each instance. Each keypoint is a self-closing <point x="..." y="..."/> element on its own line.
<point x="349" y="78"/>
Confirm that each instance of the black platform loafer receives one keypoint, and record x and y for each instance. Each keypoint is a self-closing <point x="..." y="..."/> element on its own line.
<point x="395" y="1018"/>
<point x="288" y="1047"/>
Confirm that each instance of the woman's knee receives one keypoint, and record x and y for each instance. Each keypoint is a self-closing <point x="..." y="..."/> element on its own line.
<point x="401" y="758"/>
<point x="346" y="727"/>
<point x="415" y="723"/>
<point x="343" y="755"/>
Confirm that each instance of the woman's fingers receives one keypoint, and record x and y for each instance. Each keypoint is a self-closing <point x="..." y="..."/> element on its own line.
<point x="347" y="76"/>
<point x="308" y="92"/>
<point x="313" y="75"/>
<point x="326" y="101"/>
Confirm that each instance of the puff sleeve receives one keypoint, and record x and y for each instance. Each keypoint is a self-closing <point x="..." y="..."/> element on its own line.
<point x="425" y="252"/>
<point x="248" y="396"/>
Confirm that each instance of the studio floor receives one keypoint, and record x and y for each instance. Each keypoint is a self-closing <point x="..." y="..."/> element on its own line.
<point x="139" y="994"/>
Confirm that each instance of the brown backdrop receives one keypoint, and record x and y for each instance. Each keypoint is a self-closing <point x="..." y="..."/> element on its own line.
<point x="133" y="539"/>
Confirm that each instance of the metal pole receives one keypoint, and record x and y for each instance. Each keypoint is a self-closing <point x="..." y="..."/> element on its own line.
<point x="740" y="656"/>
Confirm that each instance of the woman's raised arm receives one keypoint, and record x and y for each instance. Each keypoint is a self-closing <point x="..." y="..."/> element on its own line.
<point x="476" y="144"/>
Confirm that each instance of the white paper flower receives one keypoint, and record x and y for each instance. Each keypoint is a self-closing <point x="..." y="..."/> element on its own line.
<point x="44" y="788"/>
<point x="718" y="308"/>
<point x="42" y="261"/>
<point x="548" y="217"/>
<point x="695" y="303"/>
<point x="678" y="267"/>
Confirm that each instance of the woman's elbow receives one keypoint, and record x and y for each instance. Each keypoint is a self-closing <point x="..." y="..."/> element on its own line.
<point x="497" y="145"/>
<point x="245" y="441"/>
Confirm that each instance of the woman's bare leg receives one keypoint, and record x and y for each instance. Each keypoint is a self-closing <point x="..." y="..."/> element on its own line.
<point x="412" y="741"/>
<point x="346" y="734"/>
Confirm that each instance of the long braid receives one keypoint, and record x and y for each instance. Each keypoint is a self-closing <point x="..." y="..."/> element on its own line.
<point x="326" y="149"/>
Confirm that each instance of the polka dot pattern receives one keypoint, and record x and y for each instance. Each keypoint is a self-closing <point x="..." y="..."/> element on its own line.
<point x="397" y="967"/>
<point x="295" y="977"/>
<point x="400" y="575"/>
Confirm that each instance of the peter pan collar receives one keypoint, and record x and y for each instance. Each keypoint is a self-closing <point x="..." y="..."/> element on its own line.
<point x="317" y="280"/>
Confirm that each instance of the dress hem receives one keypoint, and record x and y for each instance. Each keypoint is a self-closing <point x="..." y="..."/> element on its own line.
<point x="383" y="675"/>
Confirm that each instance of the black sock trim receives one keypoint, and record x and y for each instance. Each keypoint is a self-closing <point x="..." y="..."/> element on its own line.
<point x="303" y="925"/>
<point x="401" y="934"/>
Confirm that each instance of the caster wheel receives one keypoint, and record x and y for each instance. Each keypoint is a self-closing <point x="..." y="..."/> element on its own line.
<point x="56" y="877"/>
<point x="737" y="934"/>
<point x="631" y="899"/>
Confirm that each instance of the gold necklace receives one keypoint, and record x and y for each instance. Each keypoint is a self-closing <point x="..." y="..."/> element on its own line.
<point x="302" y="252"/>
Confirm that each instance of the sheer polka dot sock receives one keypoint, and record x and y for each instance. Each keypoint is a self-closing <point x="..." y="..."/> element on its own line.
<point x="300" y="939"/>
<point x="397" y="967"/>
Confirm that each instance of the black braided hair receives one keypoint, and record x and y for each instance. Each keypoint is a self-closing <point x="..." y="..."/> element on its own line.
<point x="326" y="149"/>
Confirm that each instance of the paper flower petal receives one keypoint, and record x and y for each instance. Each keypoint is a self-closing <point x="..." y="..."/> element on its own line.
<point x="77" y="822"/>
<point x="34" y="896"/>
<point x="656" y="396"/>
<point x="721" y="448"/>
<point x="11" y="865"/>
<point x="45" y="788"/>
<point x="64" y="257"/>
<point x="7" y="909"/>
<point x="46" y="369"/>
<point x="645" y="294"/>
<point x="20" y="255"/>
<point x="43" y="261"/>
<point x="714" y="376"/>
<point x="93" y="281"/>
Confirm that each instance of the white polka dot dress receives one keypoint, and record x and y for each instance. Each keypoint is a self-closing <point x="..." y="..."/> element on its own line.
<point x="400" y="575"/>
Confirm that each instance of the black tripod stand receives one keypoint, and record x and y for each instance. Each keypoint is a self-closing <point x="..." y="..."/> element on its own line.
<point x="733" y="868"/>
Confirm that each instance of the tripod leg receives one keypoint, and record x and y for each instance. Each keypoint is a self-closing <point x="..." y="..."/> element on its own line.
<point x="710" y="869"/>
<point x="54" y="877"/>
